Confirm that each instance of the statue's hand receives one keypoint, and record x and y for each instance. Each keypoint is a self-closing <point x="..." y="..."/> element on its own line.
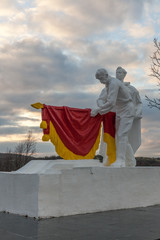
<point x="94" y="112"/>
<point x="102" y="111"/>
<point x="138" y="114"/>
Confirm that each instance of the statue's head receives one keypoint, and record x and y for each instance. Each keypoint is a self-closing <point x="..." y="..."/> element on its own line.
<point x="102" y="75"/>
<point x="120" y="73"/>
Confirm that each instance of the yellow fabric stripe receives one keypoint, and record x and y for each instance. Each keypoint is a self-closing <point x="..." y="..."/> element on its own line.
<point x="111" y="147"/>
<point x="64" y="152"/>
<point x="37" y="105"/>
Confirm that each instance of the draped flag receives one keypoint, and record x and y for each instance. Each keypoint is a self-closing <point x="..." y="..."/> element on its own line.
<point x="109" y="135"/>
<point x="75" y="134"/>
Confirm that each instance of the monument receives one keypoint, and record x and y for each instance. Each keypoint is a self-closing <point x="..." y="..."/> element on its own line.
<point x="79" y="184"/>
<point x="125" y="101"/>
<point x="76" y="132"/>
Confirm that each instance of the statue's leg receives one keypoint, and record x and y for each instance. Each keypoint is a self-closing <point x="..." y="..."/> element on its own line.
<point x="130" y="159"/>
<point x="123" y="127"/>
<point x="121" y="146"/>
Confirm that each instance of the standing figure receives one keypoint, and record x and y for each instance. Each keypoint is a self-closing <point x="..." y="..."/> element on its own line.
<point x="135" y="132"/>
<point x="119" y="98"/>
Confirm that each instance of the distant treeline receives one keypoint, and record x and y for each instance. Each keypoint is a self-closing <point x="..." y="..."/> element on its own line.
<point x="146" y="161"/>
<point x="12" y="162"/>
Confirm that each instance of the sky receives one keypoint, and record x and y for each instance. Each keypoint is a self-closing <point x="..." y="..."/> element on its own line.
<point x="51" y="49"/>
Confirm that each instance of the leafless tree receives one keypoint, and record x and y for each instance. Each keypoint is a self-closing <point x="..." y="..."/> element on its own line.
<point x="155" y="68"/>
<point x="21" y="155"/>
<point x="26" y="148"/>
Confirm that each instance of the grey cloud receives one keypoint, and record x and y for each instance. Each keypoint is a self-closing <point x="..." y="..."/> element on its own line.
<point x="152" y="93"/>
<point x="32" y="65"/>
<point x="78" y="99"/>
<point x="57" y="72"/>
<point x="12" y="130"/>
<point x="150" y="128"/>
<point x="108" y="52"/>
<point x="116" y="53"/>
<point x="30" y="68"/>
<point x="34" y="72"/>
<point x="150" y="135"/>
<point x="17" y="130"/>
<point x="5" y="121"/>
<point x="79" y="19"/>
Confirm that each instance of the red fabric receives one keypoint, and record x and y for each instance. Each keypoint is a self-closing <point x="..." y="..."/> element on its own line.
<point x="76" y="128"/>
<point x="109" y="123"/>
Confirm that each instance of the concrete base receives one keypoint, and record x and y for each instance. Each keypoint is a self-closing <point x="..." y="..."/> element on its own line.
<point x="44" y="189"/>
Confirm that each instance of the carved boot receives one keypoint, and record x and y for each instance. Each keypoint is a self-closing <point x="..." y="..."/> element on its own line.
<point x="130" y="159"/>
<point x="120" y="154"/>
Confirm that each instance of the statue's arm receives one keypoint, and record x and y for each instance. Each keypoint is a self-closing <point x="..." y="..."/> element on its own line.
<point x="111" y="98"/>
<point x="138" y="106"/>
<point x="102" y="98"/>
<point x="100" y="101"/>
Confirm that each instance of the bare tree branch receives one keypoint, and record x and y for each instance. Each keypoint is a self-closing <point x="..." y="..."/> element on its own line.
<point x="27" y="148"/>
<point x="153" y="102"/>
<point x="155" y="68"/>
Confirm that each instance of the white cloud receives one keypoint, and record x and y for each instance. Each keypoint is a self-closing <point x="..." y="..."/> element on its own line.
<point x="140" y="31"/>
<point x="8" y="7"/>
<point x="50" y="52"/>
<point x="78" y="19"/>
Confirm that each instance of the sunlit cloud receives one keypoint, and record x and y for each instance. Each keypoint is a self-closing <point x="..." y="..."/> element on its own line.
<point x="49" y="53"/>
<point x="139" y="31"/>
<point x="8" y="8"/>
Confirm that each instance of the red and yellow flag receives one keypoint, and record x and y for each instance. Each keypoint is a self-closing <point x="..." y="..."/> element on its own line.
<point x="75" y="134"/>
<point x="109" y="135"/>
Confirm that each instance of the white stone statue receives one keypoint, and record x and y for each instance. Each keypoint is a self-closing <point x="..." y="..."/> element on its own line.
<point x="103" y="146"/>
<point x="134" y="134"/>
<point x="116" y="97"/>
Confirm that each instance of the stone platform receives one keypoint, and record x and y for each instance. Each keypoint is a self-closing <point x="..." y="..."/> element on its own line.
<point x="54" y="188"/>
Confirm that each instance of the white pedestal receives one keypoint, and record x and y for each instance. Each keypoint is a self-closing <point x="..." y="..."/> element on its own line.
<point x="54" y="188"/>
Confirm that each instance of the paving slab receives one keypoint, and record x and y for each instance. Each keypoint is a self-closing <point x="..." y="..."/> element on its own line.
<point x="130" y="224"/>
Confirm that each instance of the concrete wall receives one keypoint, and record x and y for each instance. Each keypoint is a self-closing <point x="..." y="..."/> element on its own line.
<point x="76" y="190"/>
<point x="98" y="189"/>
<point x="19" y="194"/>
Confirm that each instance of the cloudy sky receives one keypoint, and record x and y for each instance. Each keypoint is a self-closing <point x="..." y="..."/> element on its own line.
<point x="50" y="50"/>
